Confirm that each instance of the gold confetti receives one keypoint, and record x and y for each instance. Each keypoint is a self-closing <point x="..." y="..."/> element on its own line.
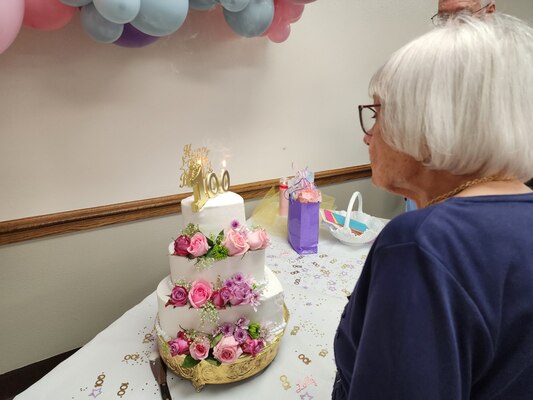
<point x="304" y="359"/>
<point x="285" y="382"/>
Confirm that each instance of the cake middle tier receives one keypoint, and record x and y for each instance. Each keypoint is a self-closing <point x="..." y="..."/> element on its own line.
<point x="270" y="310"/>
<point x="251" y="264"/>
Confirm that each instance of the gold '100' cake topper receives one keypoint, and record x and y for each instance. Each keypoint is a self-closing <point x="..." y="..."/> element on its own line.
<point x="198" y="174"/>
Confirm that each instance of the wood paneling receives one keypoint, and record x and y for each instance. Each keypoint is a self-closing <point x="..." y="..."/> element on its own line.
<point x="78" y="220"/>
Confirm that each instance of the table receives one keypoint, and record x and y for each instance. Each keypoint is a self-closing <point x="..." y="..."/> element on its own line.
<point x="114" y="365"/>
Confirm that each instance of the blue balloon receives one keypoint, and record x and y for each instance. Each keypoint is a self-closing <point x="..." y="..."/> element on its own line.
<point x="76" y="3"/>
<point x="118" y="11"/>
<point x="99" y="28"/>
<point x="202" y="5"/>
<point x="234" y="5"/>
<point x="252" y="21"/>
<point x="161" y="17"/>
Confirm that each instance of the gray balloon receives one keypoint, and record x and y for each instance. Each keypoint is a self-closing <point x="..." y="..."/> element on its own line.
<point x="76" y="3"/>
<point x="118" y="11"/>
<point x="234" y="5"/>
<point x="99" y="28"/>
<point x="161" y="17"/>
<point x="202" y="5"/>
<point x="253" y="20"/>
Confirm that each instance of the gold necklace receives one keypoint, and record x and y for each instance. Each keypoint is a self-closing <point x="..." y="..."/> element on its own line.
<point x="463" y="186"/>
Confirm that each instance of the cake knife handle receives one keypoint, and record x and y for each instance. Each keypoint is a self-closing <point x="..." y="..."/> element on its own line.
<point x="165" y="393"/>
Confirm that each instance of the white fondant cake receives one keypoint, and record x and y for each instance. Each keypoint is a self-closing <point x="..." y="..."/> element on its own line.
<point x="216" y="214"/>
<point x="219" y="280"/>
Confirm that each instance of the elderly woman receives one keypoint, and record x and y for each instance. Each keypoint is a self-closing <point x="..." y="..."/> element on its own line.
<point x="444" y="306"/>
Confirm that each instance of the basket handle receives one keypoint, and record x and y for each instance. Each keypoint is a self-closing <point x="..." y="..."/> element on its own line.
<point x="350" y="207"/>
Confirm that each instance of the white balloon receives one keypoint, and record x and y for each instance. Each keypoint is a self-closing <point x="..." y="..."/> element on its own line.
<point x="118" y="11"/>
<point x="202" y="5"/>
<point x="234" y="5"/>
<point x="76" y="3"/>
<point x="253" y="20"/>
<point x="99" y="28"/>
<point x="161" y="17"/>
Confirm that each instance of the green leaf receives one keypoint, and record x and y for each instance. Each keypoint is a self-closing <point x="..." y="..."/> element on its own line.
<point x="210" y="242"/>
<point x="189" y="362"/>
<point x="216" y="339"/>
<point x="220" y="236"/>
<point x="213" y="361"/>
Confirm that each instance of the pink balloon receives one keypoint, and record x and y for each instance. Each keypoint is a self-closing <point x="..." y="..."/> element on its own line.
<point x="291" y="12"/>
<point x="47" y="15"/>
<point x="11" y="14"/>
<point x="285" y="13"/>
<point x="280" y="34"/>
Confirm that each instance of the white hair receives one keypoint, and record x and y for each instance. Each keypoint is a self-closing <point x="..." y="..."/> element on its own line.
<point x="460" y="98"/>
<point x="485" y="3"/>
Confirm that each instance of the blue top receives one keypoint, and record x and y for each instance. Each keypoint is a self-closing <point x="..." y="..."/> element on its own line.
<point x="444" y="306"/>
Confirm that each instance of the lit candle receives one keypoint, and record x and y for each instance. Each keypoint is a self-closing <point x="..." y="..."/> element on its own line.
<point x="224" y="178"/>
<point x="198" y="188"/>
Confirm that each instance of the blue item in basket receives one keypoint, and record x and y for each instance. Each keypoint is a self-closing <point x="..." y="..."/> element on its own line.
<point x="339" y="219"/>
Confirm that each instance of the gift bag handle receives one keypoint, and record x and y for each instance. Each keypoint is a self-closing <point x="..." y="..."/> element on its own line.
<point x="350" y="207"/>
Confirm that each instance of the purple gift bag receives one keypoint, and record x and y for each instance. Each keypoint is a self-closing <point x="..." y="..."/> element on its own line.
<point x="302" y="224"/>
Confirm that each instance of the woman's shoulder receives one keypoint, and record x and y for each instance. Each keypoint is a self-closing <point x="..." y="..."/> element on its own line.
<point x="470" y="219"/>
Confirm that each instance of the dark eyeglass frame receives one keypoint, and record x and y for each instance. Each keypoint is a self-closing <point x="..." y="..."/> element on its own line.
<point x="439" y="19"/>
<point x="370" y="107"/>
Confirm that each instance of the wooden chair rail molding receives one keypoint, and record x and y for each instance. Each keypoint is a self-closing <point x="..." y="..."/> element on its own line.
<point x="19" y="230"/>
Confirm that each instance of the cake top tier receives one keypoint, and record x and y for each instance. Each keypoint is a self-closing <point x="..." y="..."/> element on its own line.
<point x="216" y="215"/>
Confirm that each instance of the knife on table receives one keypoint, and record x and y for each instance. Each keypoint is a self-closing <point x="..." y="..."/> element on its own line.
<point x="160" y="373"/>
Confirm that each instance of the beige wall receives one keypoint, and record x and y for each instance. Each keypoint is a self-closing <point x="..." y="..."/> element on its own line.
<point x="85" y="124"/>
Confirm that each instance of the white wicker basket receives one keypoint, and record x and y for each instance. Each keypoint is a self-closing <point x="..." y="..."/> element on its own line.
<point x="344" y="233"/>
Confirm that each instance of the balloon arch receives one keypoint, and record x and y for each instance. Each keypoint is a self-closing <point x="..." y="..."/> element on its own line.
<point x="138" y="23"/>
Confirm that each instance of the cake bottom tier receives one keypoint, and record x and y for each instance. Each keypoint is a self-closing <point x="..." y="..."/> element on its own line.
<point x="204" y="373"/>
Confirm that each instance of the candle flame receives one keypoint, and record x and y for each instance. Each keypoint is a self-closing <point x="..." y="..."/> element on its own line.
<point x="224" y="164"/>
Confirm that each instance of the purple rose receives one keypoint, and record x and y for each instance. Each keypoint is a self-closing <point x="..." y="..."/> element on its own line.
<point x="240" y="335"/>
<point x="227" y="329"/>
<point x="178" y="297"/>
<point x="241" y="295"/>
<point x="180" y="345"/>
<point x="217" y="300"/>
<point x="253" y="346"/>
<point x="181" y="244"/>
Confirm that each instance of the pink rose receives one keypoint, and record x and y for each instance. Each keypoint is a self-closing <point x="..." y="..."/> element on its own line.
<point x="309" y="195"/>
<point x="198" y="246"/>
<point x="180" y="246"/>
<point x="199" y="349"/>
<point x="200" y="293"/>
<point x="253" y="346"/>
<point x="180" y="345"/>
<point x="235" y="243"/>
<point x="178" y="297"/>
<point x="258" y="239"/>
<point x="227" y="350"/>
<point x="221" y="297"/>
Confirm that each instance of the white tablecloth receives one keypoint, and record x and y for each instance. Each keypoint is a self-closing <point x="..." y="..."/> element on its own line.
<point x="114" y="365"/>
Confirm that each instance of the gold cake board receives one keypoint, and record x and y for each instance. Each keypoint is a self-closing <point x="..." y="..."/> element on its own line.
<point x="206" y="373"/>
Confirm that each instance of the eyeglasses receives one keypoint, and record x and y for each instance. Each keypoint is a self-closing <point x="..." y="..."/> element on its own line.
<point x="440" y="19"/>
<point x="367" y="117"/>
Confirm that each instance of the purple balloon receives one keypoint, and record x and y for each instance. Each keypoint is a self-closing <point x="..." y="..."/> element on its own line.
<point x="132" y="37"/>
